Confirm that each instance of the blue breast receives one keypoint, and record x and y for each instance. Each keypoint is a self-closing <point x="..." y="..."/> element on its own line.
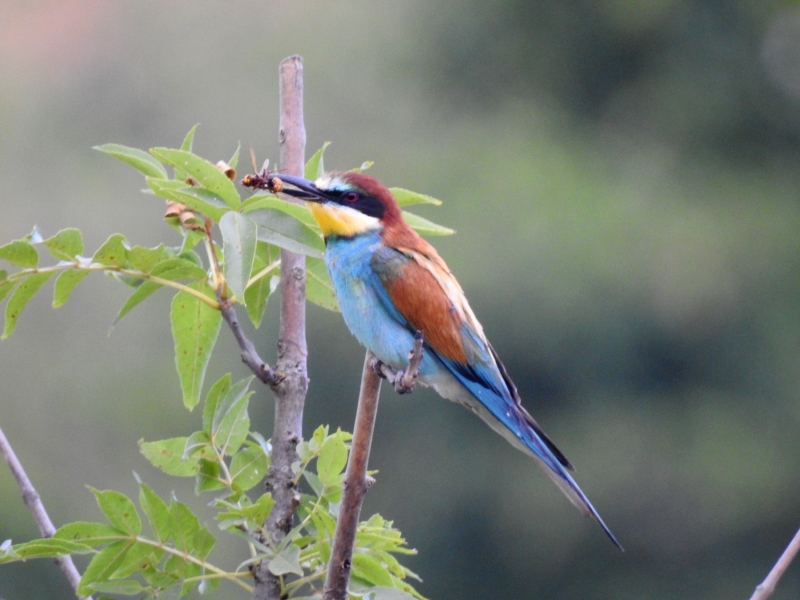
<point x="366" y="308"/>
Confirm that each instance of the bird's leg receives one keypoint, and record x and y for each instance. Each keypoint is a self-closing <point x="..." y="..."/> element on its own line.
<point x="403" y="380"/>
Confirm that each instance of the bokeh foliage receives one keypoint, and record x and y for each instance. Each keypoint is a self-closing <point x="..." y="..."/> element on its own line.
<point x="623" y="179"/>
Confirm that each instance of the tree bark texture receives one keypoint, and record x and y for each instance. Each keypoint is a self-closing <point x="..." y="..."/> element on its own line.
<point x="290" y="391"/>
<point x="355" y="485"/>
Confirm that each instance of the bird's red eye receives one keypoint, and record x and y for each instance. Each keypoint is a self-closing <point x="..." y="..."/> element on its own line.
<point x="351" y="197"/>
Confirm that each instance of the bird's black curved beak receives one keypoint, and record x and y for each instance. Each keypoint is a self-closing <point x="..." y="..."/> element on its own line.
<point x="302" y="188"/>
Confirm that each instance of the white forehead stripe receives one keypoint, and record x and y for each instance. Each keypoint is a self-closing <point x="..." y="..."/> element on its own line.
<point x="336" y="184"/>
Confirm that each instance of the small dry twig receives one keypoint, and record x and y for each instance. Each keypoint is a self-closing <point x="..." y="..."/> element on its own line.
<point x="34" y="503"/>
<point x="766" y="587"/>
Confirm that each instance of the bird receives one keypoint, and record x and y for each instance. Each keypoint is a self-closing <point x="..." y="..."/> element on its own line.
<point x="390" y="284"/>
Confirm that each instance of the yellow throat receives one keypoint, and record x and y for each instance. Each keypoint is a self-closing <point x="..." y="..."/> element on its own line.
<point x="342" y="221"/>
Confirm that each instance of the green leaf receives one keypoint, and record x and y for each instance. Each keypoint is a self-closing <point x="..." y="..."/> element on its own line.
<point x="265" y="268"/>
<point x="425" y="227"/>
<point x="139" y="556"/>
<point x="113" y="252"/>
<point x="119" y="510"/>
<point x="164" y="188"/>
<point x="186" y="532"/>
<point x="286" y="561"/>
<point x="315" y="167"/>
<point x="167" y="455"/>
<point x="126" y="587"/>
<point x="332" y="460"/>
<point x="141" y="293"/>
<point x="298" y="211"/>
<point x="188" y="141"/>
<point x="143" y="259"/>
<point x="249" y="467"/>
<point x="195" y="327"/>
<point x="199" y="200"/>
<point x="217" y="391"/>
<point x="406" y="197"/>
<point x="6" y="285"/>
<point x="209" y="476"/>
<point x="66" y="244"/>
<point x="21" y="254"/>
<point x="368" y="568"/>
<point x="156" y="510"/>
<point x="20" y="298"/>
<point x="202" y="171"/>
<point x="260" y="510"/>
<point x="239" y="248"/>
<point x="138" y="159"/>
<point x="196" y="443"/>
<point x="390" y="593"/>
<point x="92" y="534"/>
<point x="65" y="283"/>
<point x="48" y="547"/>
<point x="231" y="422"/>
<point x="174" y="269"/>
<point x="278" y="228"/>
<point x="319" y="287"/>
<point x="234" y="161"/>
<point x="103" y="565"/>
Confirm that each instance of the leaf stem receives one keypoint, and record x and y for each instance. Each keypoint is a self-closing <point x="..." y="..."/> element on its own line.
<point x="263" y="272"/>
<point x="113" y="269"/>
<point x="188" y="557"/>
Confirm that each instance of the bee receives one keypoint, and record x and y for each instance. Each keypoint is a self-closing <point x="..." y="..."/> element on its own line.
<point x="262" y="180"/>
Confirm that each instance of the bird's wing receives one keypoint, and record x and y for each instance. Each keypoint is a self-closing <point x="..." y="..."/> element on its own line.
<point x="424" y="295"/>
<point x="423" y="290"/>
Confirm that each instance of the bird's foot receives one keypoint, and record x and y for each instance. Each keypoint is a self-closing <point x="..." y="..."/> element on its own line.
<point x="403" y="380"/>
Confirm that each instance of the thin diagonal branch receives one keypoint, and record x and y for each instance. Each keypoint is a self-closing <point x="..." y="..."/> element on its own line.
<point x="766" y="587"/>
<point x="34" y="503"/>
<point x="250" y="355"/>
<point x="356" y="482"/>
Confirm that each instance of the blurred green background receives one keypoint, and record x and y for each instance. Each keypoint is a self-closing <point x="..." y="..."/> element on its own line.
<point x="623" y="177"/>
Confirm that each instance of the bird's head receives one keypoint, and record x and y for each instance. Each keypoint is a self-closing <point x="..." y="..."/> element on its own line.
<point x="346" y="204"/>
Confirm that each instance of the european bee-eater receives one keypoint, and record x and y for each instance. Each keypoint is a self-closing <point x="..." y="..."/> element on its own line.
<point x="391" y="283"/>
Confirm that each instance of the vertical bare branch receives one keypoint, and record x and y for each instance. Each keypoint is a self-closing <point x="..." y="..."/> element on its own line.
<point x="34" y="503"/>
<point x="355" y="485"/>
<point x="766" y="587"/>
<point x="290" y="392"/>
